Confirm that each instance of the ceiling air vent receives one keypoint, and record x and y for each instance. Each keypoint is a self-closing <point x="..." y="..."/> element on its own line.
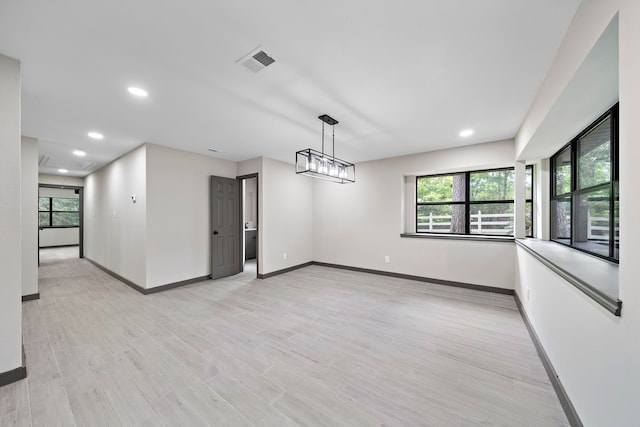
<point x="256" y="60"/>
<point x="43" y="160"/>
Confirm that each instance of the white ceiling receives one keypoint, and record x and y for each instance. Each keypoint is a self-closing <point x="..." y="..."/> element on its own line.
<point x="401" y="77"/>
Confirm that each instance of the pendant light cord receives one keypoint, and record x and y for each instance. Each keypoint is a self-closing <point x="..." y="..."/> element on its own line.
<point x="323" y="139"/>
<point x="333" y="127"/>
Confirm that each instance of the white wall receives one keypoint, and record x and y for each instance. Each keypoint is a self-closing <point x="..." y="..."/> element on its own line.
<point x="178" y="213"/>
<point x="10" y="221"/>
<point x="115" y="228"/>
<point x="359" y="224"/>
<point x="51" y="237"/>
<point x="596" y="355"/>
<point x="29" y="205"/>
<point x="58" y="236"/>
<point x="72" y="181"/>
<point x="286" y="217"/>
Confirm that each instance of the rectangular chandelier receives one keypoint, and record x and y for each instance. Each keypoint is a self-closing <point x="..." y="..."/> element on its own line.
<point x="313" y="163"/>
<point x="319" y="164"/>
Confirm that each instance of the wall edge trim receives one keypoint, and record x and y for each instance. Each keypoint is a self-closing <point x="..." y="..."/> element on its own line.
<point x="148" y="291"/>
<point x="174" y="285"/>
<point x="31" y="297"/>
<point x="483" y="288"/>
<point x="116" y="276"/>
<point x="563" y="396"/>
<point x="285" y="270"/>
<point x="58" y="246"/>
<point x="392" y="274"/>
<point x="14" y="375"/>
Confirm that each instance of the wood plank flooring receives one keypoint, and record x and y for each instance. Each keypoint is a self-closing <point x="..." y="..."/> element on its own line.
<point x="314" y="347"/>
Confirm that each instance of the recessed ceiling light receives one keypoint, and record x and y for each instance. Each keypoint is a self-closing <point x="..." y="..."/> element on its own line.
<point x="95" y="135"/>
<point x="79" y="153"/>
<point x="138" y="92"/>
<point x="63" y="170"/>
<point x="466" y="132"/>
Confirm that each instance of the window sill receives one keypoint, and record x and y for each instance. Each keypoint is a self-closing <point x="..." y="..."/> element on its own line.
<point x="58" y="226"/>
<point x="475" y="238"/>
<point x="596" y="277"/>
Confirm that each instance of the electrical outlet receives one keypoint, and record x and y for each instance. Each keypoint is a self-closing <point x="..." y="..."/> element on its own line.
<point x="284" y="256"/>
<point x="387" y="260"/>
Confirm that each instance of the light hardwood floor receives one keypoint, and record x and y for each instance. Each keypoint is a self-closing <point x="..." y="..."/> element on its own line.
<point x="317" y="346"/>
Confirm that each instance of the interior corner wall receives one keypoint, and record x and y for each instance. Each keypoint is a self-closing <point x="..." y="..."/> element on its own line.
<point x="594" y="353"/>
<point x="10" y="220"/>
<point x="359" y="224"/>
<point x="29" y="206"/>
<point x="115" y="228"/>
<point x="178" y="241"/>
<point x="285" y="210"/>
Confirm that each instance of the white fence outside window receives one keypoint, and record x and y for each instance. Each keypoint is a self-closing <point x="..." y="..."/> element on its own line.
<point x="500" y="224"/>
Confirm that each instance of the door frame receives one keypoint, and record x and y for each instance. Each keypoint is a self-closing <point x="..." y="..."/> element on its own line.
<point x="80" y="214"/>
<point x="241" y="180"/>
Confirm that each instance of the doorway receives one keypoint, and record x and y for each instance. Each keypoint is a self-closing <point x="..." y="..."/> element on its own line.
<point x="234" y="226"/>
<point x="60" y="219"/>
<point x="250" y="223"/>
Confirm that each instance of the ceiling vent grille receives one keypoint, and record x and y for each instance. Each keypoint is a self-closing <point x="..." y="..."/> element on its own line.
<point x="257" y="60"/>
<point x="43" y="160"/>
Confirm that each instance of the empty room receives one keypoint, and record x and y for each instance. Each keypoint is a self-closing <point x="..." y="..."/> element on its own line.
<point x="416" y="213"/>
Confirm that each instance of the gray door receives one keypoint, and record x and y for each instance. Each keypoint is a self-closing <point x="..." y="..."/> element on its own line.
<point x="225" y="227"/>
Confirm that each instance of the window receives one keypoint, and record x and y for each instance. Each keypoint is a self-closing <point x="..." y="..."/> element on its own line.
<point x="584" y="192"/>
<point x="528" y="218"/>
<point x="58" y="212"/>
<point x="479" y="202"/>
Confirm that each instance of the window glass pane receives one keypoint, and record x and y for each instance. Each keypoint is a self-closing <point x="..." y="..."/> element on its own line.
<point x="528" y="219"/>
<point x="444" y="188"/>
<point x="616" y="222"/>
<point x="591" y="225"/>
<point x="44" y="219"/>
<point x="43" y="203"/>
<point x="441" y="218"/>
<point x="594" y="156"/>
<point x="561" y="220"/>
<point x="65" y="218"/>
<point x="529" y="183"/>
<point x="66" y="205"/>
<point x="492" y="185"/>
<point x="562" y="171"/>
<point x="492" y="218"/>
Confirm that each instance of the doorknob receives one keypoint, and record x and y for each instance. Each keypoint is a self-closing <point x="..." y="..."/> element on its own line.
<point x="215" y="232"/>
